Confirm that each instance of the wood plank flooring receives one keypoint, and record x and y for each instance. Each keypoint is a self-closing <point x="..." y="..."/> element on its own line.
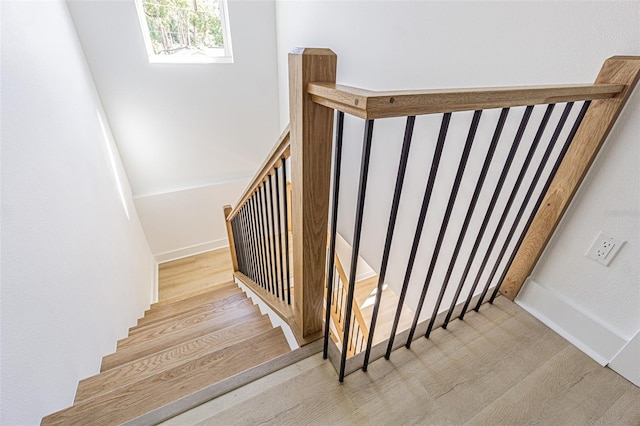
<point x="497" y="367"/>
<point x="185" y="276"/>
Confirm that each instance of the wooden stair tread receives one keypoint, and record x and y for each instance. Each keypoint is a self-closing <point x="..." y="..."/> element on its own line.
<point x="178" y="298"/>
<point x="131" y="401"/>
<point x="187" y="319"/>
<point x="195" y="310"/>
<point x="163" y="360"/>
<point x="186" y="304"/>
<point x="164" y="341"/>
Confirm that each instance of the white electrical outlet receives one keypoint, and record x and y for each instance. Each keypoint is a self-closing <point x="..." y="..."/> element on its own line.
<point x="604" y="248"/>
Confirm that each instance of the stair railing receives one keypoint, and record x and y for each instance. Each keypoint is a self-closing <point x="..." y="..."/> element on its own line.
<point x="258" y="232"/>
<point x="514" y="212"/>
<point x="560" y="144"/>
<point x="306" y="147"/>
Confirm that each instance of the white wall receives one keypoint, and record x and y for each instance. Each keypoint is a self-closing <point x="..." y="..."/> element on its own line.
<point x="401" y="45"/>
<point x="607" y="296"/>
<point x="180" y="127"/>
<point x="187" y="222"/>
<point x="76" y="272"/>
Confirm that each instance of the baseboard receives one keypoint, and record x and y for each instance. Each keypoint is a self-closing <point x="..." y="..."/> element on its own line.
<point x="625" y="363"/>
<point x="582" y="330"/>
<point x="180" y="253"/>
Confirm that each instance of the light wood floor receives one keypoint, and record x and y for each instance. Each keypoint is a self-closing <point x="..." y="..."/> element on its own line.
<point x="498" y="367"/>
<point x="194" y="273"/>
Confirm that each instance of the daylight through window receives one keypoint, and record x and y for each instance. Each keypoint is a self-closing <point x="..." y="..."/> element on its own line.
<point x="185" y="30"/>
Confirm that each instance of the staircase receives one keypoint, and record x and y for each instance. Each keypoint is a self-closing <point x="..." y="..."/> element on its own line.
<point x="181" y="346"/>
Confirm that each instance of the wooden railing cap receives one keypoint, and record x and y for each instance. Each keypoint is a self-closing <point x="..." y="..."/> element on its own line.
<point x="280" y="150"/>
<point x="369" y="104"/>
<point x="320" y="51"/>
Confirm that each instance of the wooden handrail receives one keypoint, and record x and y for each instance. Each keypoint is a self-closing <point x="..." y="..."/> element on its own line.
<point x="282" y="149"/>
<point x="369" y="104"/>
<point x="597" y="123"/>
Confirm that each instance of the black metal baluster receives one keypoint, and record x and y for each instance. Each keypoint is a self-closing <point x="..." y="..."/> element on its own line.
<point x="446" y="118"/>
<point x="467" y="219"/>
<point x="243" y="269"/>
<point x="251" y="240"/>
<point x="279" y="221"/>
<point x="275" y="289"/>
<point x="241" y="240"/>
<point x="254" y="248"/>
<point x="364" y="171"/>
<point x="507" y="207"/>
<point x="264" y="227"/>
<point x="254" y="255"/>
<point x="263" y="231"/>
<point x="494" y="198"/>
<point x="334" y="223"/>
<point x="552" y="174"/>
<point x="263" y="256"/>
<point x="250" y="257"/>
<point x="267" y="239"/>
<point x="445" y="222"/>
<point x="237" y="243"/>
<point x="256" y="232"/>
<point x="529" y="193"/>
<point x="286" y="228"/>
<point x="402" y="167"/>
<point x="244" y="242"/>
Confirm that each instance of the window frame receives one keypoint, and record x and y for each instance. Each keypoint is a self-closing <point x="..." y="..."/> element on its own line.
<point x="226" y="56"/>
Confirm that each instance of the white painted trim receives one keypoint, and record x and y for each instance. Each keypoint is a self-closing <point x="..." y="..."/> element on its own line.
<point x="191" y="187"/>
<point x="585" y="332"/>
<point x="275" y="319"/>
<point x="627" y="362"/>
<point x="154" y="285"/>
<point x="181" y="253"/>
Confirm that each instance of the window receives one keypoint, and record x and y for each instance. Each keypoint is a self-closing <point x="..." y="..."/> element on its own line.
<point x="185" y="31"/>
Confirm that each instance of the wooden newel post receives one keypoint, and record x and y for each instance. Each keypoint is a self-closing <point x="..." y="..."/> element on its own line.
<point x="311" y="139"/>
<point x="232" y="245"/>
<point x="592" y="133"/>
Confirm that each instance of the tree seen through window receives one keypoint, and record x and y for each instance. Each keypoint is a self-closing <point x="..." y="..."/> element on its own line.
<point x="184" y="27"/>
